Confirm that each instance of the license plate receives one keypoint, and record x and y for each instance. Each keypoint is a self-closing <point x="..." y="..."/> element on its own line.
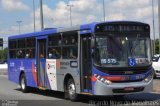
<point x="129" y="89"/>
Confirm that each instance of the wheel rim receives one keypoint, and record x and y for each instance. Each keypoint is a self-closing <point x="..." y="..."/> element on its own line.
<point x="23" y="84"/>
<point x="71" y="89"/>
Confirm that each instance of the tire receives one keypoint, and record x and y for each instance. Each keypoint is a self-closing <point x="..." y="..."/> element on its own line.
<point x="71" y="90"/>
<point x="23" y="84"/>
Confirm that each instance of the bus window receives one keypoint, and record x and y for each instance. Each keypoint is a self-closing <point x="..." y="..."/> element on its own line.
<point x="70" y="47"/>
<point x="12" y="54"/>
<point x="54" y="52"/>
<point x="13" y="44"/>
<point x="54" y="46"/>
<point x="30" y="47"/>
<point x="21" y="43"/>
<point x="30" y="53"/>
<point x="21" y="48"/>
<point x="70" y="40"/>
<point x="12" y="48"/>
<point x="70" y="52"/>
<point x="54" y="40"/>
<point x="42" y="49"/>
<point x="21" y="53"/>
<point x="30" y="42"/>
<point x="73" y="52"/>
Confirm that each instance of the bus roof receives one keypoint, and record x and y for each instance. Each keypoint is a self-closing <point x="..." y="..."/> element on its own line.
<point x="33" y="34"/>
<point x="89" y="27"/>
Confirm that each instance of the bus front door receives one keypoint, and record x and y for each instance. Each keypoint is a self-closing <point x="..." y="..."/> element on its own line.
<point x="86" y="64"/>
<point x="41" y="61"/>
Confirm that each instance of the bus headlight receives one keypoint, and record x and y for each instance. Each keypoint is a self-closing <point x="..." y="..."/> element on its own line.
<point x="108" y="82"/>
<point x="147" y="79"/>
<point x="103" y="80"/>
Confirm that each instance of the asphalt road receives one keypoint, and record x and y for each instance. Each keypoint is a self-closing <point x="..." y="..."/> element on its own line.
<point x="11" y="94"/>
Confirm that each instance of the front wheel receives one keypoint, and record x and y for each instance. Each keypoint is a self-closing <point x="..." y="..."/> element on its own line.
<point x="71" y="90"/>
<point x="23" y="83"/>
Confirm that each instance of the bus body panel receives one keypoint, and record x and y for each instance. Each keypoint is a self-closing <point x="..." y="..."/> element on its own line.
<point x="65" y="68"/>
<point x="27" y="66"/>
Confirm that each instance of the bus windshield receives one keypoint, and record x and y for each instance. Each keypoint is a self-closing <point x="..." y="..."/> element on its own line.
<point x="122" y="51"/>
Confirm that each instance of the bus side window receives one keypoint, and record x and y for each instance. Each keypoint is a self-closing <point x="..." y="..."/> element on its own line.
<point x="12" y="54"/>
<point x="21" y="48"/>
<point x="54" y="52"/>
<point x="30" y="47"/>
<point x="21" y="53"/>
<point x="54" y="46"/>
<point x="70" y="46"/>
<point x="73" y="52"/>
<point x="30" y="53"/>
<point x="12" y="49"/>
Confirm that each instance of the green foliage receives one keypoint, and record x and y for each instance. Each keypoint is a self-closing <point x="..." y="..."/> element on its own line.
<point x="157" y="46"/>
<point x="3" y="54"/>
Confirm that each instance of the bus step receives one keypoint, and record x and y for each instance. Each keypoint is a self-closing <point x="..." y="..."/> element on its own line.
<point x="85" y="93"/>
<point x="42" y="88"/>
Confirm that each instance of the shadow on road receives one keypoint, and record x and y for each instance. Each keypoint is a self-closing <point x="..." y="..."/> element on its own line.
<point x="134" y="99"/>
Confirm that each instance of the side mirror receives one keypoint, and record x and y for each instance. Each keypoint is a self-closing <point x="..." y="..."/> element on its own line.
<point x="92" y="43"/>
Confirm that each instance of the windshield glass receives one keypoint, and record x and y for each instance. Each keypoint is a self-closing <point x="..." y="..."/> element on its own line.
<point x="123" y="51"/>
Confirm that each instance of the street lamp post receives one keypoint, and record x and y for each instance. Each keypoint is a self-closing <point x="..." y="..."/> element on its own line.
<point x="104" y="11"/>
<point x="19" y="24"/>
<point x="153" y="27"/>
<point x="159" y="22"/>
<point x="41" y="14"/>
<point x="34" y="23"/>
<point x="70" y="8"/>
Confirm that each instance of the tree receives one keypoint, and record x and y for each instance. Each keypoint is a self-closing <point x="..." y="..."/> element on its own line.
<point x="3" y="54"/>
<point x="157" y="46"/>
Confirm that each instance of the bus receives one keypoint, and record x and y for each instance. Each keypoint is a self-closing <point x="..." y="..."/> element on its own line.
<point x="100" y="58"/>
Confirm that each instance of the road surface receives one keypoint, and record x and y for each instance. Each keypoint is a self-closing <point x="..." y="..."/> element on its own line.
<point x="11" y="94"/>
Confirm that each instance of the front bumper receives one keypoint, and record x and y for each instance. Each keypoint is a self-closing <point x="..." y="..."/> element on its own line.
<point x="102" y="89"/>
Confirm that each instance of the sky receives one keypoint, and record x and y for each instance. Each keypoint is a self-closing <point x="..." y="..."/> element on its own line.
<point x="57" y="14"/>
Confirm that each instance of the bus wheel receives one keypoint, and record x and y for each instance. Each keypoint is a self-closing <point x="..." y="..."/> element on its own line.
<point x="23" y="83"/>
<point x="71" y="90"/>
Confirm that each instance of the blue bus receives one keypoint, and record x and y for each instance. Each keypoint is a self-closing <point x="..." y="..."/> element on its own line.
<point x="107" y="58"/>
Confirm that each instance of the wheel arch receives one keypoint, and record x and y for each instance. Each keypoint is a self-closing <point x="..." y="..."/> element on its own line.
<point x="21" y="73"/>
<point x="65" y="81"/>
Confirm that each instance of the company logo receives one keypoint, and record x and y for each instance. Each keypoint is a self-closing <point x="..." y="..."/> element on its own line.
<point x="12" y="64"/>
<point x="51" y="66"/>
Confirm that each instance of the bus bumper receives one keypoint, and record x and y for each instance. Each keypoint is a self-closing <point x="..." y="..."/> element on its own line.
<point x="102" y="89"/>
